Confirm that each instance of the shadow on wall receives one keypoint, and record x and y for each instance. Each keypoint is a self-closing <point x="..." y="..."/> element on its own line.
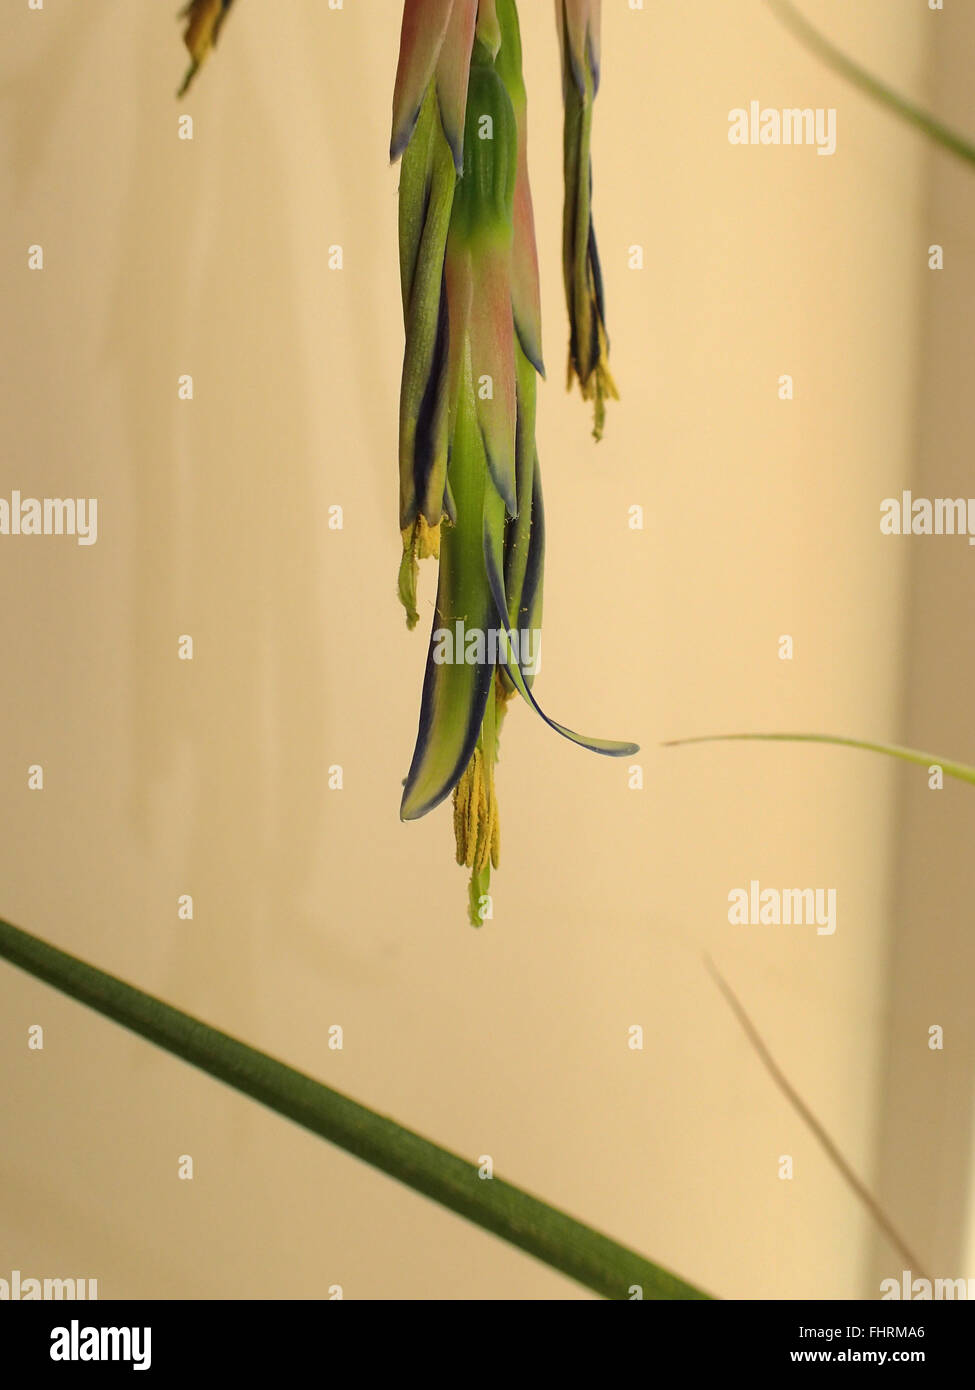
<point x="927" y="1118"/>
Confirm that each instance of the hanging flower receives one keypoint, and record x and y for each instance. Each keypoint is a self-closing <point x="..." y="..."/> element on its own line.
<point x="470" y="490"/>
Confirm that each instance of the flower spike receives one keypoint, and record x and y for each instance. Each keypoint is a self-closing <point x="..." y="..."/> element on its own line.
<point x="470" y="489"/>
<point x="578" y="24"/>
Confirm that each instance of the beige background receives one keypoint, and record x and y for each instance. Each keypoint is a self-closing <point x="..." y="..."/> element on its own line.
<point x="315" y="907"/>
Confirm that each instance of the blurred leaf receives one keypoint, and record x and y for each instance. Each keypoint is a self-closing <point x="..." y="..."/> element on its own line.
<point x="831" y="1150"/>
<point x="817" y="43"/>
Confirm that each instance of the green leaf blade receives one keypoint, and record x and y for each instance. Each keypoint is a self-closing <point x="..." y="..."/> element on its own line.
<point x="585" y="1255"/>
<point x="962" y="772"/>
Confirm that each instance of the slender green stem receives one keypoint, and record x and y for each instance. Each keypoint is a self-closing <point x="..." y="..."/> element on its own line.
<point x="958" y="145"/>
<point x="961" y="771"/>
<point x="543" y="1231"/>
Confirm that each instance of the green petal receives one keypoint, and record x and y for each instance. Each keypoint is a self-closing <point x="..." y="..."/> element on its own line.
<point x="525" y="292"/>
<point x="493" y="561"/>
<point x="455" y="694"/>
<point x="524" y="537"/>
<point x="426" y="198"/>
<point x="484" y="194"/>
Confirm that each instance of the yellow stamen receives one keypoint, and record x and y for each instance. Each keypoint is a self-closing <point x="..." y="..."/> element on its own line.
<point x="421" y="541"/>
<point x="476" y="821"/>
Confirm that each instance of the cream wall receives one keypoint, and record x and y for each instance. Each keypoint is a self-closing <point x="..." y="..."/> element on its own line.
<point x="313" y="907"/>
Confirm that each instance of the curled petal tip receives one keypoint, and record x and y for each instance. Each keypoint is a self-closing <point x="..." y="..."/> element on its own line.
<point x="493" y="563"/>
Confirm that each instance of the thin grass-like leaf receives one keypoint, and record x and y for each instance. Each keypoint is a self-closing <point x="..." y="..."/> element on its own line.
<point x="835" y="58"/>
<point x="861" y="1191"/>
<point x="961" y="771"/>
<point x="578" y="1251"/>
